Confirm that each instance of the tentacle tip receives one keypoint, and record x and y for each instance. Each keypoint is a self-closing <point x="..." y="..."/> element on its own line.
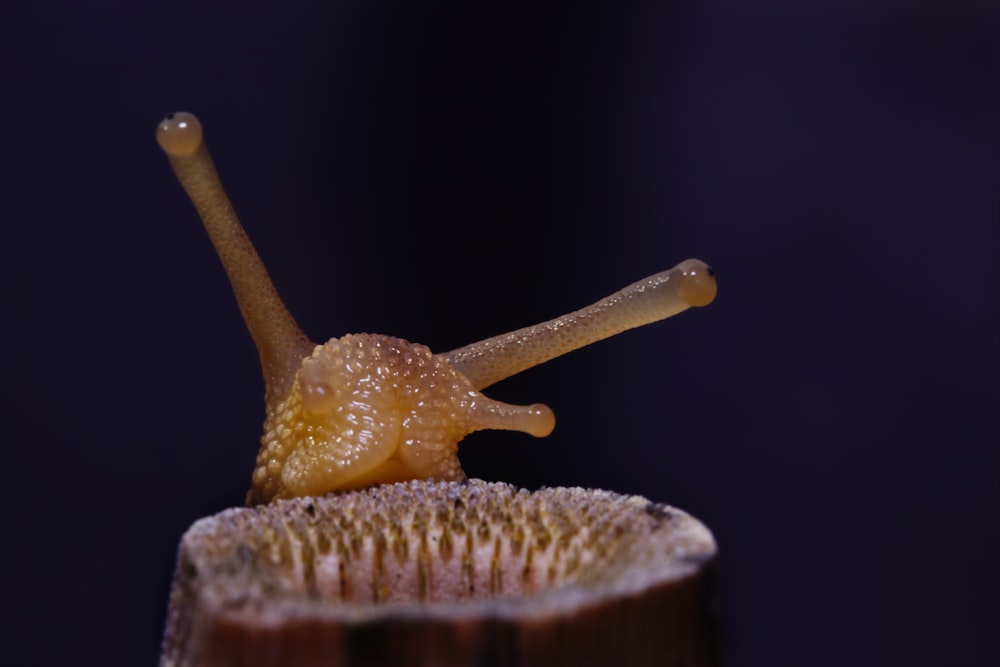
<point x="539" y="420"/>
<point x="697" y="285"/>
<point x="179" y="134"/>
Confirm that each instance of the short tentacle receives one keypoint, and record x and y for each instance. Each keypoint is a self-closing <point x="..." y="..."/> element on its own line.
<point x="536" y="419"/>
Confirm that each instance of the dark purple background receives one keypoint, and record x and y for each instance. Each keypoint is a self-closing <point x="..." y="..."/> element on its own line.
<point x="445" y="173"/>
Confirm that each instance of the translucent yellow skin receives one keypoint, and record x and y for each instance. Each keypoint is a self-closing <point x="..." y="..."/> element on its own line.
<point x="369" y="409"/>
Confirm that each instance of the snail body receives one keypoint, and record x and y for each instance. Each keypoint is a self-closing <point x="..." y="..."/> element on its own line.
<point x="367" y="409"/>
<point x="371" y="409"/>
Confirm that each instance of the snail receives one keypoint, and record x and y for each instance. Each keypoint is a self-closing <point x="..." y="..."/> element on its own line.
<point x="369" y="409"/>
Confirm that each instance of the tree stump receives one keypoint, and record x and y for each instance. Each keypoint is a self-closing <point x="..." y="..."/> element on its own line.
<point x="458" y="573"/>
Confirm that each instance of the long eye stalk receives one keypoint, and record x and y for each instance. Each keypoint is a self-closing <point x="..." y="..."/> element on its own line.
<point x="663" y="295"/>
<point x="279" y="340"/>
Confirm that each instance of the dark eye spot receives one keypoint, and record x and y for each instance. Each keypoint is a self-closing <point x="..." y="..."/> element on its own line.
<point x="658" y="512"/>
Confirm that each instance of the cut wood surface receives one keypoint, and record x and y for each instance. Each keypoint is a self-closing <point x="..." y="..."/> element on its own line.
<point x="457" y="573"/>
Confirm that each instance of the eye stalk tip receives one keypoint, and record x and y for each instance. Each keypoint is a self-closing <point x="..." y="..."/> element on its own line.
<point x="696" y="286"/>
<point x="179" y="134"/>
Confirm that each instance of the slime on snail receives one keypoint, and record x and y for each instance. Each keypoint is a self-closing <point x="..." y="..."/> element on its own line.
<point x="368" y="409"/>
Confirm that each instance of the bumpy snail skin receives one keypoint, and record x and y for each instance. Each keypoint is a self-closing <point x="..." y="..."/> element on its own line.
<point x="369" y="409"/>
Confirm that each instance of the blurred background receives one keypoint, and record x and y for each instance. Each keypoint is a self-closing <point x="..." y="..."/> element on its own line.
<point x="449" y="171"/>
